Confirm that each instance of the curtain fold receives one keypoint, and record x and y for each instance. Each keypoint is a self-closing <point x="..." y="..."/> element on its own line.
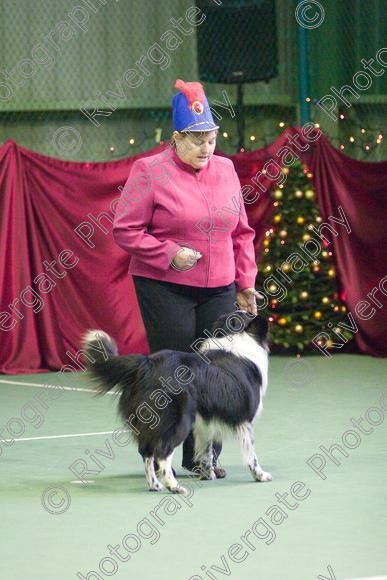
<point x="60" y="282"/>
<point x="61" y="272"/>
<point x="359" y="188"/>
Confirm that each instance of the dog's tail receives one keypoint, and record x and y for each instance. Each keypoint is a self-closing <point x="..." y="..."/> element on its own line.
<point x="105" y="368"/>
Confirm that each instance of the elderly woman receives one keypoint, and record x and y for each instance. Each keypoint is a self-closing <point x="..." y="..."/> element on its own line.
<point x="182" y="220"/>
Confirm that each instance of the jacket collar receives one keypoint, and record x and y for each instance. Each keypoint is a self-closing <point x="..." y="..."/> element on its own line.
<point x="185" y="166"/>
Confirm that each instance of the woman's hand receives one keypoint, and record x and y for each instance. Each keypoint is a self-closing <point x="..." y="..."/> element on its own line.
<point x="186" y="258"/>
<point x="247" y="300"/>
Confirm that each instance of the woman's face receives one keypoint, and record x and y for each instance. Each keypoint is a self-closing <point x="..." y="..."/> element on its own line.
<point x="195" y="149"/>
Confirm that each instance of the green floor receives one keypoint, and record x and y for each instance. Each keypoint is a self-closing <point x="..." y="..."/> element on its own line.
<point x="337" y="531"/>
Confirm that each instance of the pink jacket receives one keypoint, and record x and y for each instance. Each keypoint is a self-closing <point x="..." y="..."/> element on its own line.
<point x="166" y="204"/>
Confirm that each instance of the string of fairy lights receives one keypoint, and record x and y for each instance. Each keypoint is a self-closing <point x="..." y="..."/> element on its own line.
<point x="355" y="135"/>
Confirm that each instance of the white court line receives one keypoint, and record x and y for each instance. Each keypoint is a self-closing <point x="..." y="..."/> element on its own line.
<point x="46" y="386"/>
<point x="370" y="578"/>
<point x="61" y="436"/>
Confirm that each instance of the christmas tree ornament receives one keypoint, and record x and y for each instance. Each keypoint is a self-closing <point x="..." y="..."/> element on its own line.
<point x="300" y="220"/>
<point x="317" y="315"/>
<point x="286" y="267"/>
<point x="306" y="237"/>
<point x="309" y="194"/>
<point x="283" y="233"/>
<point x="284" y="170"/>
<point x="299" y="328"/>
<point x="277" y="218"/>
<point x="277" y="194"/>
<point x="325" y="300"/>
<point x="298" y="193"/>
<point x="331" y="272"/>
<point x="316" y="269"/>
<point x="319" y="219"/>
<point x="282" y="321"/>
<point x="304" y="295"/>
<point x="273" y="288"/>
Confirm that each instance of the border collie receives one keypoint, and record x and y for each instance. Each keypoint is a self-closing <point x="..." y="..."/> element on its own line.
<point x="217" y="389"/>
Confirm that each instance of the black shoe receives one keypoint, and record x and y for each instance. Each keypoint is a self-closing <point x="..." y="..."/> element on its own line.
<point x="220" y="473"/>
<point x="189" y="466"/>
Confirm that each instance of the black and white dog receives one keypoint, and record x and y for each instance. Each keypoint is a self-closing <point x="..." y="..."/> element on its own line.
<point x="212" y="391"/>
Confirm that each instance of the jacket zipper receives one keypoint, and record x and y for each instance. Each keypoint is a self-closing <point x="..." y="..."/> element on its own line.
<point x="209" y="213"/>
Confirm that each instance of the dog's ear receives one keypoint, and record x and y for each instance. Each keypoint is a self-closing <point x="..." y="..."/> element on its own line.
<point x="259" y="326"/>
<point x="264" y="326"/>
<point x="219" y="323"/>
<point x="236" y="321"/>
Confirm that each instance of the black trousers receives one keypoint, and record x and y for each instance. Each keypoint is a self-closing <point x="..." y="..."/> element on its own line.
<point x="175" y="315"/>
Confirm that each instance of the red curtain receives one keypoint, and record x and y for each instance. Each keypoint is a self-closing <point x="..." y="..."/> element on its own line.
<point x="61" y="272"/>
<point x="361" y="256"/>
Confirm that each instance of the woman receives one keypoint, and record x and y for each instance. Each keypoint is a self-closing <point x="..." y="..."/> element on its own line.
<point x="182" y="220"/>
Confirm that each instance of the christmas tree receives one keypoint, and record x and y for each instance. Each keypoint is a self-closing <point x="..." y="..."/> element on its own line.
<point x="297" y="274"/>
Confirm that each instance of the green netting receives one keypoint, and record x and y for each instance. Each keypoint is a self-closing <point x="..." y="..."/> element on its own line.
<point x="63" y="59"/>
<point x="345" y="51"/>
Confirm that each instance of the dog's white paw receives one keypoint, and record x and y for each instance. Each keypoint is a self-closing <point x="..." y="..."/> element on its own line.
<point x="179" y="489"/>
<point x="157" y="486"/>
<point x="263" y="476"/>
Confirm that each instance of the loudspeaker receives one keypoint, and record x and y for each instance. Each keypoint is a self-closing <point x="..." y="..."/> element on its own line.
<point x="237" y="43"/>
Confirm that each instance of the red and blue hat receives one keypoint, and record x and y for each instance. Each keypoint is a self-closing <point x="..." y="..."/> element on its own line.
<point x="190" y="108"/>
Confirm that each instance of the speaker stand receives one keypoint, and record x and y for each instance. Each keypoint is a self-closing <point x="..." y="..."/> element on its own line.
<point x="240" y="116"/>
